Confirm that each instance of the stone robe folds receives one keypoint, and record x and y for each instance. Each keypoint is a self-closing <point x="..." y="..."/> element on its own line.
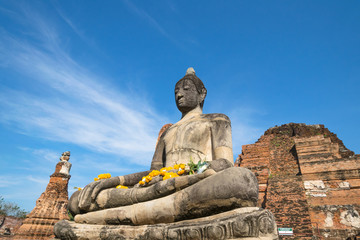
<point x="198" y="137"/>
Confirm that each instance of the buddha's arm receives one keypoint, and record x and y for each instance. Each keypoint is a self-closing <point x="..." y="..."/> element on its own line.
<point x="223" y="152"/>
<point x="88" y="195"/>
<point x="222" y="143"/>
<point x="159" y="155"/>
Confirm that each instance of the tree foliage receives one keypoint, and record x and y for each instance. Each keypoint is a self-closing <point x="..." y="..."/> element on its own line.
<point x="11" y="209"/>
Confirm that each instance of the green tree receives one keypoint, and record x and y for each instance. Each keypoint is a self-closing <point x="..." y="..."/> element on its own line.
<point x="11" y="209"/>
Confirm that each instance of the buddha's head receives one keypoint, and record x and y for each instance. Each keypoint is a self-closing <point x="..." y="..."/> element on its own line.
<point x="190" y="92"/>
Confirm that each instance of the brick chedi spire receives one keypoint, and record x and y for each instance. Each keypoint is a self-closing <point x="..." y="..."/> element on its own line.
<point x="51" y="206"/>
<point x="308" y="179"/>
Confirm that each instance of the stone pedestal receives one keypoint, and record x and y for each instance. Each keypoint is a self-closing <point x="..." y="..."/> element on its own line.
<point x="241" y="223"/>
<point x="50" y="207"/>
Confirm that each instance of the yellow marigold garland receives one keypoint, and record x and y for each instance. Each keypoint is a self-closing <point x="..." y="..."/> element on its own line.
<point x="170" y="175"/>
<point x="154" y="173"/>
<point x="164" y="172"/>
<point x="102" y="176"/>
<point x="148" y="178"/>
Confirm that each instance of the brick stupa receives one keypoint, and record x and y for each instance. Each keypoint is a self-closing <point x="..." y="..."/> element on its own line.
<point x="308" y="179"/>
<point x="51" y="206"/>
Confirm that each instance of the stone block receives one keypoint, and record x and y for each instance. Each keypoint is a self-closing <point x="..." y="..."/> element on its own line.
<point x="314" y="185"/>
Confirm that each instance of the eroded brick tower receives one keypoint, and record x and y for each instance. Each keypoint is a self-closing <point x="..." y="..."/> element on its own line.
<point x="51" y="206"/>
<point x="308" y="179"/>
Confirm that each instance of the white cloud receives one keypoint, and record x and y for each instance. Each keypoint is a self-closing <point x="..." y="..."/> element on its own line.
<point x="7" y="181"/>
<point x="103" y="167"/>
<point x="243" y="134"/>
<point x="149" y="19"/>
<point x="243" y="130"/>
<point x="22" y="189"/>
<point x="43" y="154"/>
<point x="77" y="106"/>
<point x="39" y="180"/>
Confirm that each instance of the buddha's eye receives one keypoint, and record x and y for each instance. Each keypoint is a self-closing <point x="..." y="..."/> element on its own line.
<point x="186" y="87"/>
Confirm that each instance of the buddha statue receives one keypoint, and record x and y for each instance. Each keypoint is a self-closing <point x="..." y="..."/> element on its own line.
<point x="195" y="138"/>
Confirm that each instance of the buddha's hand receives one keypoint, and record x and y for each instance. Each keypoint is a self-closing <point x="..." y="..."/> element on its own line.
<point x="90" y="192"/>
<point x="220" y="164"/>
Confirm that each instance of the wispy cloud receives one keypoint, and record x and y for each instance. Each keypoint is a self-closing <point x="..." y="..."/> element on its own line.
<point x="76" y="29"/>
<point x="7" y="181"/>
<point x="76" y="105"/>
<point x="243" y="130"/>
<point x="149" y="19"/>
<point x="71" y="24"/>
<point x="102" y="166"/>
<point x="7" y="11"/>
<point x="140" y="12"/>
<point x="22" y="189"/>
<point x="42" y="154"/>
<point x="39" y="180"/>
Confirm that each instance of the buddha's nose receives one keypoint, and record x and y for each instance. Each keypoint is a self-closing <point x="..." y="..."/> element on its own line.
<point x="179" y="95"/>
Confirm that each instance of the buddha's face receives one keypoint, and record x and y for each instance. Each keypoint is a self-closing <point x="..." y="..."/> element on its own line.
<point x="186" y="96"/>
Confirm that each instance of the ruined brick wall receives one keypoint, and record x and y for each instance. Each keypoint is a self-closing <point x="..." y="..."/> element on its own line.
<point x="331" y="178"/>
<point x="286" y="194"/>
<point x="256" y="157"/>
<point x="308" y="179"/>
<point x="9" y="225"/>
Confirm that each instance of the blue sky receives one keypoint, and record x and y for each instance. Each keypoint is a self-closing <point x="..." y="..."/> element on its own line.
<point x="97" y="78"/>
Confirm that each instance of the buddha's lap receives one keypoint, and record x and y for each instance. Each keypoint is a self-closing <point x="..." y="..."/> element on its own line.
<point x="228" y="189"/>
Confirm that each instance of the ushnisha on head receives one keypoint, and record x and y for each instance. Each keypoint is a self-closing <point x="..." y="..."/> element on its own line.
<point x="190" y="92"/>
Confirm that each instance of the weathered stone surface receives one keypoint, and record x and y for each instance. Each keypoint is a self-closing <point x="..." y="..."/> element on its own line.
<point x="111" y="198"/>
<point x="197" y="136"/>
<point x="162" y="130"/>
<point x="308" y="179"/>
<point x="241" y="223"/>
<point x="50" y="207"/>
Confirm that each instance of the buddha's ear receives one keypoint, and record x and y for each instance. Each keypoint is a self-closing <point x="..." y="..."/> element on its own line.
<point x="203" y="95"/>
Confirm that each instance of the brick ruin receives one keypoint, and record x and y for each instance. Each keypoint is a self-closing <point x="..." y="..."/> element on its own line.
<point x="9" y="225"/>
<point x="308" y="179"/>
<point x="51" y="206"/>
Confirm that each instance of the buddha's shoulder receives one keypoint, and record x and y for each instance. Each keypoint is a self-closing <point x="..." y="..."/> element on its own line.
<point x="214" y="117"/>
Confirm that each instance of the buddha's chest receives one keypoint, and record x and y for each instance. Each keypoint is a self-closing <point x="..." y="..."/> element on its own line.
<point x="190" y="139"/>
